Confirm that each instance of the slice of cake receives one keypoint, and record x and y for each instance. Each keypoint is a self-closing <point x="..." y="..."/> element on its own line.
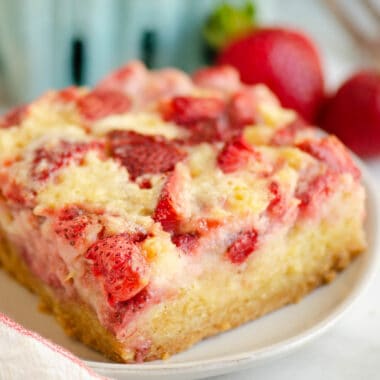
<point x="157" y="209"/>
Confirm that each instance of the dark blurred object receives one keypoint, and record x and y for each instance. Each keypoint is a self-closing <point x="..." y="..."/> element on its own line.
<point x="149" y="47"/>
<point x="77" y="61"/>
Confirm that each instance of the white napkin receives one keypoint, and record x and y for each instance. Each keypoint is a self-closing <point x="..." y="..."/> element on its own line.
<point x="26" y="355"/>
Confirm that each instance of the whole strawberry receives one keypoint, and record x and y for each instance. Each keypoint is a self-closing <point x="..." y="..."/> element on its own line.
<point x="283" y="59"/>
<point x="353" y="113"/>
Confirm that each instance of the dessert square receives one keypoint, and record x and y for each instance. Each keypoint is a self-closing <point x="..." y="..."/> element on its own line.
<point x="158" y="209"/>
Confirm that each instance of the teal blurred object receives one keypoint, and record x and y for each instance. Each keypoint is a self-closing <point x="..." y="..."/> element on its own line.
<point x="54" y="43"/>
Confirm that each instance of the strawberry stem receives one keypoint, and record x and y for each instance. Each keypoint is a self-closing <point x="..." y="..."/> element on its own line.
<point x="228" y="22"/>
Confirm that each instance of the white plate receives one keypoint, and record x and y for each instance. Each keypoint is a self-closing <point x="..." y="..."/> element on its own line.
<point x="269" y="337"/>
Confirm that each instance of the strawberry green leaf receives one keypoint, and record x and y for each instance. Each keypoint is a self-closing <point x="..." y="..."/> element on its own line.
<point x="228" y="22"/>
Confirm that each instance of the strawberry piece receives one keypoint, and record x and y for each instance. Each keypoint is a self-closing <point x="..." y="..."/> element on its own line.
<point x="315" y="192"/>
<point x="222" y="78"/>
<point x="138" y="302"/>
<point x="119" y="261"/>
<point x="210" y="131"/>
<point x="353" y="113"/>
<point x="142" y="154"/>
<point x="17" y="194"/>
<point x="243" y="246"/>
<point x="101" y="103"/>
<point x="203" y="118"/>
<point x="47" y="161"/>
<point x="126" y="310"/>
<point x="186" y="242"/>
<point x="187" y="110"/>
<point x="145" y="183"/>
<point x="235" y="155"/>
<point x="202" y="226"/>
<point x="277" y="205"/>
<point x="195" y="228"/>
<point x="71" y="225"/>
<point x="168" y="209"/>
<point x="332" y="152"/>
<point x="70" y="212"/>
<point x="287" y="134"/>
<point x="241" y="109"/>
<point x="13" y="117"/>
<point x="68" y="94"/>
<point x="286" y="61"/>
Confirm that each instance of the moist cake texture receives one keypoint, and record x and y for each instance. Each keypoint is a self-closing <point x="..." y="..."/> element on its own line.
<point x="158" y="209"/>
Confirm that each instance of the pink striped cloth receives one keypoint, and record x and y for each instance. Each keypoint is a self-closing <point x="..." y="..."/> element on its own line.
<point x="26" y="355"/>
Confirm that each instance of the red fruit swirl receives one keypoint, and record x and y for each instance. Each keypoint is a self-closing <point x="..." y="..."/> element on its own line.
<point x="243" y="246"/>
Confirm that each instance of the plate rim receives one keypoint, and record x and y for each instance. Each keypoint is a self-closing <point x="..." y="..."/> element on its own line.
<point x="371" y="259"/>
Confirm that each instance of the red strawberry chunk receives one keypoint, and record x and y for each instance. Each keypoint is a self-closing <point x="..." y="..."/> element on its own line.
<point x="14" y="117"/>
<point x="71" y="225"/>
<point x="48" y="160"/>
<point x="315" y="192"/>
<point x="142" y="154"/>
<point x="70" y="212"/>
<point x="243" y="246"/>
<point x="235" y="155"/>
<point x="138" y="302"/>
<point x="187" y="110"/>
<point x="186" y="242"/>
<point x="332" y="152"/>
<point x="168" y="209"/>
<point x="242" y="109"/>
<point x="202" y="226"/>
<point x="145" y="183"/>
<point x="204" y="118"/>
<point x="120" y="262"/>
<point x="223" y="78"/>
<point x="68" y="94"/>
<point x="208" y="131"/>
<point x="277" y="205"/>
<point x="101" y="103"/>
<point x="17" y="193"/>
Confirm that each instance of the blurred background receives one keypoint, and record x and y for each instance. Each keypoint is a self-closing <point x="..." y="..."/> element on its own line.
<point x="53" y="43"/>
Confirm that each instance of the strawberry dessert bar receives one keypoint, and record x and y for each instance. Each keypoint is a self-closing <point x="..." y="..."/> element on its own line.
<point x="158" y="209"/>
